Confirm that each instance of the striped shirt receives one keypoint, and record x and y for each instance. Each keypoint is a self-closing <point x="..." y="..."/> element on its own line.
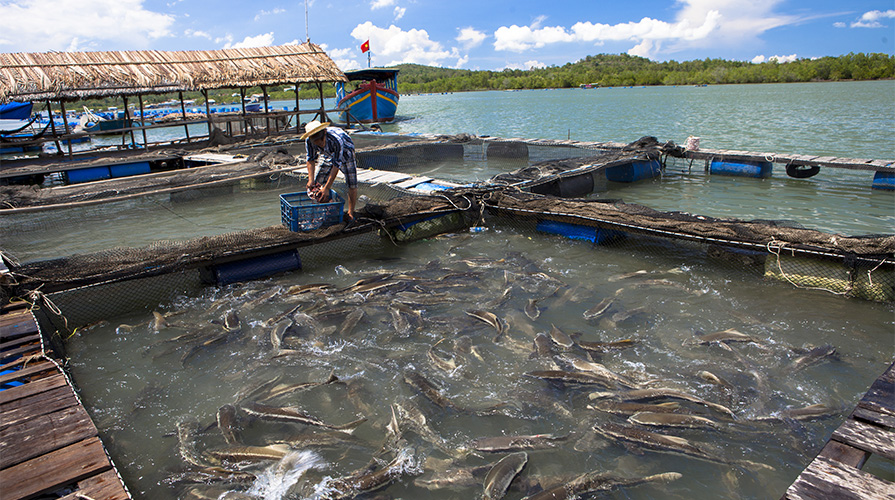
<point x="339" y="147"/>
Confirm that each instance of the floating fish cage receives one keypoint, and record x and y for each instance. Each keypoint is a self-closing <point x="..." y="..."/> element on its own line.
<point x="552" y="194"/>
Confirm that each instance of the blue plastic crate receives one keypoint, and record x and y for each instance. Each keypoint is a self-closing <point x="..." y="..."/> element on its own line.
<point x="301" y="213"/>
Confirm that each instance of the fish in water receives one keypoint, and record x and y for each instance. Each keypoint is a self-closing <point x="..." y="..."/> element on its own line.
<point x="251" y="453"/>
<point x="532" y="310"/>
<point x="350" y="322"/>
<point x="729" y="335"/>
<point x="543" y="346"/>
<point x="158" y="321"/>
<point x="561" y="338"/>
<point x="498" y="479"/>
<point x="570" y="362"/>
<point x="601" y="347"/>
<point x="660" y="393"/>
<point x="428" y="389"/>
<point x="592" y="482"/>
<point x="628" y="408"/>
<point x="664" y="443"/>
<point x="278" y="332"/>
<point x="813" y="356"/>
<point x="599" y="309"/>
<point x="226" y="419"/>
<point x="810" y="412"/>
<point x="487" y="317"/>
<point x="443" y="364"/>
<point x="573" y="377"/>
<point x="501" y="444"/>
<point x="355" y="484"/>
<point x="672" y="420"/>
<point x="293" y="414"/>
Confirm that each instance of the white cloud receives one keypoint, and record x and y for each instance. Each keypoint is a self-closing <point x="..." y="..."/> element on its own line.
<point x="399" y="12"/>
<point x="262" y="40"/>
<point x="521" y="38"/>
<point x="379" y="4"/>
<point x="534" y="64"/>
<point x="470" y="38"/>
<point x="196" y="34"/>
<point x="393" y="45"/>
<point x="871" y="19"/>
<point x="41" y="25"/>
<point x="839" y="25"/>
<point x="265" y="13"/>
<point x="642" y="49"/>
<point x="538" y="22"/>
<point x="780" y="59"/>
<point x="462" y="61"/>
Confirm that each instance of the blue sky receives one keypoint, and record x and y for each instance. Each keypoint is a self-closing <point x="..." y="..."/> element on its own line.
<point x="461" y="33"/>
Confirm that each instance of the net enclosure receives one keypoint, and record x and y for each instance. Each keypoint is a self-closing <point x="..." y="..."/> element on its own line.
<point x="546" y="188"/>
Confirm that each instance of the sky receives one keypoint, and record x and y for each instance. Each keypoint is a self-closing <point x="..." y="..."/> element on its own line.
<point x="464" y="34"/>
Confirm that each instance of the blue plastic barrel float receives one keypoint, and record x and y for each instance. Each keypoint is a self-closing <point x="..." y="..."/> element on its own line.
<point x="634" y="171"/>
<point x="884" y="180"/>
<point x="743" y="168"/>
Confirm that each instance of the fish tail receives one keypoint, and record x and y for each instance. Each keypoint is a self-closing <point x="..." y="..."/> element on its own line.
<point x="350" y="426"/>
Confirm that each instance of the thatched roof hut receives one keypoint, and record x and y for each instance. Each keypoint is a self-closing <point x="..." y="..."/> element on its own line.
<point x="71" y="76"/>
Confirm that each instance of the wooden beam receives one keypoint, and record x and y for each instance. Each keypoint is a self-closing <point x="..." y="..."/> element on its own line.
<point x="52" y="471"/>
<point x="825" y="479"/>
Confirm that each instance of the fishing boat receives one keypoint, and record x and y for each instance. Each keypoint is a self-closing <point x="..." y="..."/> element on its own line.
<point x="100" y="125"/>
<point x="17" y="128"/>
<point x="373" y="100"/>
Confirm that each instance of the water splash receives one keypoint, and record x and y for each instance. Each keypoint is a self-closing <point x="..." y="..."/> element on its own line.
<point x="276" y="481"/>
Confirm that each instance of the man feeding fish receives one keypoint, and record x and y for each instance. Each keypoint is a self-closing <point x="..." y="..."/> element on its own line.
<point x="335" y="144"/>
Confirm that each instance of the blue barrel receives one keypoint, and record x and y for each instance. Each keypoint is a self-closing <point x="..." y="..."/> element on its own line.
<point x="634" y="171"/>
<point x="592" y="234"/>
<point x="756" y="169"/>
<point x="884" y="180"/>
<point x="257" y="267"/>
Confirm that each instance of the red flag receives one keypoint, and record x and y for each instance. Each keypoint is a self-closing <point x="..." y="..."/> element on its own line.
<point x="365" y="46"/>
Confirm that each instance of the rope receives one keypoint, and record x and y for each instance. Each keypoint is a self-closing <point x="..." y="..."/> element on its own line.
<point x="774" y="247"/>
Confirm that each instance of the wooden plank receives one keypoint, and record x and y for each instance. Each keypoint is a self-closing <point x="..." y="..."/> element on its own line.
<point x="20" y="341"/>
<point x="874" y="417"/>
<point x="27" y="372"/>
<point x="51" y="471"/>
<point x="845" y="454"/>
<point x="867" y="437"/>
<point x="44" y="434"/>
<point x="825" y="479"/>
<point x="392" y="177"/>
<point x="11" y="354"/>
<point x="17" y="324"/>
<point x="23" y="391"/>
<point x="107" y="486"/>
<point x="37" y="404"/>
<point x="881" y="395"/>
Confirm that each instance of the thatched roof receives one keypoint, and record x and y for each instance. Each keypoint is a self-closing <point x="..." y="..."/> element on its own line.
<point x="81" y="75"/>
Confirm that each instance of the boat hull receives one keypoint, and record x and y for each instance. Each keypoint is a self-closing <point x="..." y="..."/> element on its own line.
<point x="370" y="106"/>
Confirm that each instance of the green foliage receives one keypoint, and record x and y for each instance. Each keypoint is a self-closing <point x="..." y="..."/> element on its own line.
<point x="621" y="70"/>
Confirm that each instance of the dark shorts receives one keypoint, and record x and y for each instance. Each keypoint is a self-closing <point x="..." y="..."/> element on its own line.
<point x="349" y="170"/>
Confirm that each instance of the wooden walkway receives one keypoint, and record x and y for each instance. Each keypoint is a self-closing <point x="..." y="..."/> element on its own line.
<point x="870" y="429"/>
<point x="48" y="443"/>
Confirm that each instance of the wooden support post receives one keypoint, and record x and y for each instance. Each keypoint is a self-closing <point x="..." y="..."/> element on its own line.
<point x="207" y="112"/>
<point x="65" y="123"/>
<point x="245" y="120"/>
<point x="53" y="126"/>
<point x="266" y="110"/>
<point x="143" y="121"/>
<point x="297" y="111"/>
<point x="186" y="127"/>
<point x="129" y="122"/>
<point x="322" y="112"/>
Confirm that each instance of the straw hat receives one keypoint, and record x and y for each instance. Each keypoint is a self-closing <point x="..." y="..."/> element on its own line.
<point x="313" y="127"/>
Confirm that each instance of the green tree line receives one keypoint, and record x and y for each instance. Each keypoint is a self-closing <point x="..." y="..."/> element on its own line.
<point x="622" y="70"/>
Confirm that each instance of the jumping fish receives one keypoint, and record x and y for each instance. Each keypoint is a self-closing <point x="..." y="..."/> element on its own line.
<point x="283" y="389"/>
<point x="561" y="338"/>
<point x="251" y="453"/>
<point x="498" y="479"/>
<point x="532" y="310"/>
<point x="659" y="393"/>
<point x="352" y="486"/>
<point x="293" y="414"/>
<point x="488" y="317"/>
<point x="672" y="420"/>
<point x="226" y="419"/>
<point x="501" y="444"/>
<point x="593" y="482"/>
<point x="277" y="333"/>
<point x="428" y="389"/>
<point x="186" y="436"/>
<point x="408" y="414"/>
<point x="231" y="321"/>
<point x="599" y="309"/>
<point x="158" y="321"/>
<point x="443" y="364"/>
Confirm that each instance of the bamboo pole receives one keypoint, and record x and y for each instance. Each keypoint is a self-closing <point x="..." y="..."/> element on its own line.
<point x="143" y="121"/>
<point x="53" y="127"/>
<point x="297" y="112"/>
<point x="129" y="122"/>
<point x="322" y="112"/>
<point x="186" y="127"/>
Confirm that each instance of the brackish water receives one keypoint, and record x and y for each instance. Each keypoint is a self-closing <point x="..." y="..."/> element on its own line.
<point x="139" y="388"/>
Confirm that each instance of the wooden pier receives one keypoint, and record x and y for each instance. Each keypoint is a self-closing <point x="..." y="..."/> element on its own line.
<point x="48" y="443"/>
<point x="870" y="429"/>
